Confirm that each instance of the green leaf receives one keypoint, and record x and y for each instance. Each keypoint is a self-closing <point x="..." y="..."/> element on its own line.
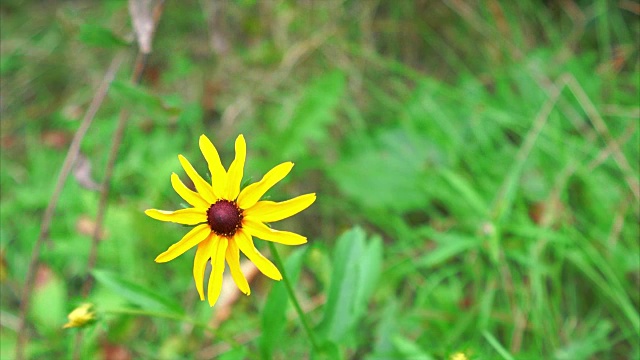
<point x="8" y="348"/>
<point x="95" y="35"/>
<point x="238" y="353"/>
<point x="273" y="314"/>
<point x="138" y="295"/>
<point x="369" y="269"/>
<point x="311" y="116"/>
<point x="48" y="307"/>
<point x="357" y="265"/>
<point x="409" y="349"/>
<point x="465" y="191"/>
<point x="11" y="62"/>
<point x="588" y="345"/>
<point x="504" y="353"/>
<point x="386" y="329"/>
<point x="386" y="173"/>
<point x="449" y="246"/>
<point x="138" y="97"/>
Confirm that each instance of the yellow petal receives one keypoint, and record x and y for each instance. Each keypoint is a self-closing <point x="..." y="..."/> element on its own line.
<point x="80" y="316"/>
<point x="262" y="231"/>
<point x="191" y="239"/>
<point x="269" y="211"/>
<point x="245" y="243"/>
<point x="203" y="253"/>
<point x="252" y="193"/>
<point x="217" y="268"/>
<point x="190" y="216"/>
<point x="233" y="259"/>
<point x="234" y="177"/>
<point x="193" y="198"/>
<point x="203" y="187"/>
<point x="218" y="173"/>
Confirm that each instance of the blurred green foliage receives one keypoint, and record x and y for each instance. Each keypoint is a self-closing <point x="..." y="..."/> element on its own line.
<point x="476" y="165"/>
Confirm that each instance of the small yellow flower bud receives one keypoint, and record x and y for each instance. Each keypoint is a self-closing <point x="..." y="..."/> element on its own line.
<point x="80" y="316"/>
<point x="458" y="356"/>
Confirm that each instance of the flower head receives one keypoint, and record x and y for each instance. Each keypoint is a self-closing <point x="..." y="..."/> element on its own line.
<point x="80" y="316"/>
<point x="226" y="219"/>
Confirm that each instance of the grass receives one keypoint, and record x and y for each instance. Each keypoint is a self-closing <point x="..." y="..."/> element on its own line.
<point x="476" y="166"/>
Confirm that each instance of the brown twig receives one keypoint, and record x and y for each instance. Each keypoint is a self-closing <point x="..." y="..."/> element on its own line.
<point x="140" y="65"/>
<point x="47" y="218"/>
<point x="144" y="45"/>
<point x="141" y="61"/>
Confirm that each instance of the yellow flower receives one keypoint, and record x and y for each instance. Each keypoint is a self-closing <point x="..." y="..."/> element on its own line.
<point x="226" y="219"/>
<point x="80" y="316"/>
<point x="458" y="356"/>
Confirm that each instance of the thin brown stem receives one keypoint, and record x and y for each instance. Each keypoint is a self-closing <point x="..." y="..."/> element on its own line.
<point x="139" y="67"/>
<point x="47" y="218"/>
<point x="105" y="187"/>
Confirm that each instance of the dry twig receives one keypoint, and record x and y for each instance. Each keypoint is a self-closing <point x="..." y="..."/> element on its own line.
<point x="45" y="225"/>
<point x="145" y="21"/>
<point x="72" y="155"/>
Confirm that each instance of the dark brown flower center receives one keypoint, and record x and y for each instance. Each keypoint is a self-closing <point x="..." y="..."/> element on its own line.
<point x="224" y="217"/>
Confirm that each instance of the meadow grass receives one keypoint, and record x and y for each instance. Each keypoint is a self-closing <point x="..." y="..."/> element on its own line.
<point x="476" y="165"/>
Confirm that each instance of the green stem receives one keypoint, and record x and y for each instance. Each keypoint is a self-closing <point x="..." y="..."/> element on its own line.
<point x="294" y="299"/>
<point x="185" y="319"/>
<point x="139" y="312"/>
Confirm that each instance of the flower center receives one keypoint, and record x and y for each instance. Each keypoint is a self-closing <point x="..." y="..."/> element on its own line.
<point x="224" y="217"/>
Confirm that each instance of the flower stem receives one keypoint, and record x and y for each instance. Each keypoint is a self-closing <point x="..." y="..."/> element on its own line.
<point x="294" y="299"/>
<point x="139" y="312"/>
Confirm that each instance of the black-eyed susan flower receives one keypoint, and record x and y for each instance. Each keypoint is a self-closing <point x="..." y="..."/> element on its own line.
<point x="226" y="219"/>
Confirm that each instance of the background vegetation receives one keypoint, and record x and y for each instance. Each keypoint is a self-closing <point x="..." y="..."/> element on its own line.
<point x="476" y="164"/>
